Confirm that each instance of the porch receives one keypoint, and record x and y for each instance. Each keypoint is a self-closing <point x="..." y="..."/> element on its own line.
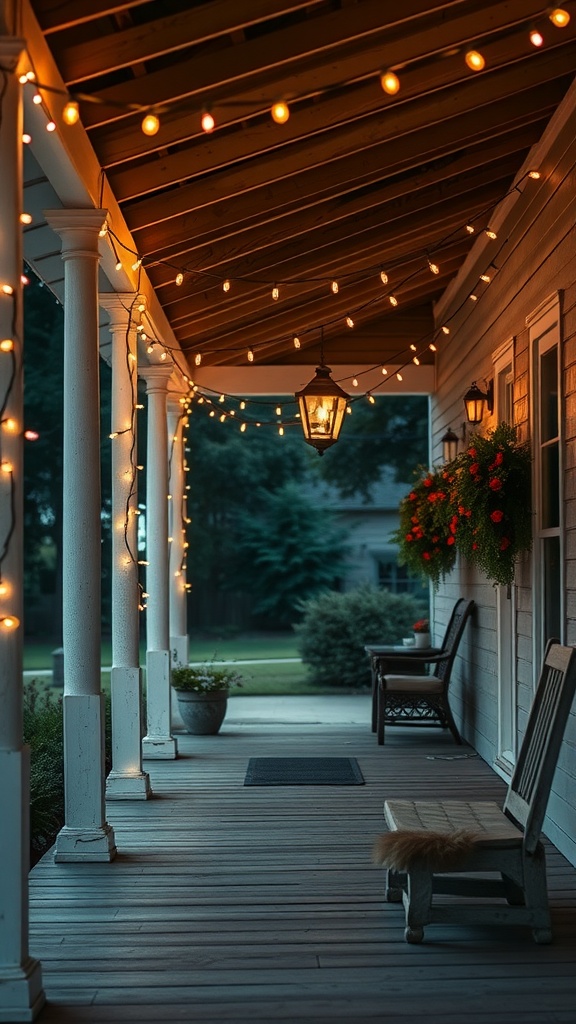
<point x="229" y="903"/>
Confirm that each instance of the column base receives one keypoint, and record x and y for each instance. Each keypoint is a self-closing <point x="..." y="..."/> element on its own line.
<point x="21" y="993"/>
<point x="74" y="845"/>
<point x="159" y="748"/>
<point x="128" y="787"/>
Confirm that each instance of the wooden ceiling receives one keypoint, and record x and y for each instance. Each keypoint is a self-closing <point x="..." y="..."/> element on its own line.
<point x="355" y="182"/>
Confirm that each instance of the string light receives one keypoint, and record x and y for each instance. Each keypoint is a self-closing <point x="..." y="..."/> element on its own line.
<point x="371" y="398"/>
<point x="475" y="60"/>
<point x="9" y="622"/>
<point x="432" y="347"/>
<point x="536" y="37"/>
<point x="7" y="289"/>
<point x="275" y="293"/>
<point x="384" y="371"/>
<point x="296" y="341"/>
<point x="393" y="300"/>
<point x="226" y="286"/>
<point x="250" y="355"/>
<point x="390" y="82"/>
<point x="26" y="139"/>
<point x="51" y="126"/>
<point x="6" y="345"/>
<point x="280" y="112"/>
<point x="334" y="287"/>
<point x="490" y="233"/>
<point x="433" y="267"/>
<point x="445" y="329"/>
<point x="399" y="376"/>
<point x="473" y="297"/>
<point x="355" y="382"/>
<point x="37" y="99"/>
<point x="25" y="218"/>
<point x="416" y="361"/>
<point x="384" y="277"/>
<point x="278" y="410"/>
<point x="198" y="358"/>
<point x="208" y="123"/>
<point x="137" y="264"/>
<point x="485" y="277"/>
<point x="349" y="321"/>
<point x="559" y="17"/>
<point x="150" y="124"/>
<point x="470" y="229"/>
<point x="71" y="113"/>
<point x="535" y="175"/>
<point x="179" y="279"/>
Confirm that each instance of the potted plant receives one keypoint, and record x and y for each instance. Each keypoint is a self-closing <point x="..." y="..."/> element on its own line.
<point x="202" y="692"/>
<point x="422" y="633"/>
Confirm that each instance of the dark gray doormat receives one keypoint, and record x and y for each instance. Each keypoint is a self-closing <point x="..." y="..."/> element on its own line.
<point x="303" y="771"/>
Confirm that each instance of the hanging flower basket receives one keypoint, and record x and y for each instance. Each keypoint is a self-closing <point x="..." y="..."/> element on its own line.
<point x="426" y="535"/>
<point x="493" y="496"/>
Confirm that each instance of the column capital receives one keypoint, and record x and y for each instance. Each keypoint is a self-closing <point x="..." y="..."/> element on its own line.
<point x="11" y="49"/>
<point x="78" y="229"/>
<point x="123" y="308"/>
<point x="156" y="378"/>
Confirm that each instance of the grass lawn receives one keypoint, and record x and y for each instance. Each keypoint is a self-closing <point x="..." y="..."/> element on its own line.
<point x="258" y="679"/>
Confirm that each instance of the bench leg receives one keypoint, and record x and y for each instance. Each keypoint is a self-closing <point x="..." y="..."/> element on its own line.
<point x="418" y="903"/>
<point x="380" y="704"/>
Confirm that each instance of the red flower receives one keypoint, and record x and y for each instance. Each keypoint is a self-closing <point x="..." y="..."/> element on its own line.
<point x="499" y="458"/>
<point x="432" y="496"/>
<point x="505" y="543"/>
<point x="474" y="468"/>
<point x="427" y="482"/>
<point x="495" y="484"/>
<point x="474" y="546"/>
<point x="426" y="555"/>
<point x="450" y="540"/>
<point x="472" y="452"/>
<point x="408" y="536"/>
<point x="412" y="496"/>
<point x="497" y="515"/>
<point x="414" y="519"/>
<point x="435" y="540"/>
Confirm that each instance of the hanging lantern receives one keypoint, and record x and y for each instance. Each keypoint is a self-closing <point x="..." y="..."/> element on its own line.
<point x="476" y="402"/>
<point x="322" y="406"/>
<point x="449" y="445"/>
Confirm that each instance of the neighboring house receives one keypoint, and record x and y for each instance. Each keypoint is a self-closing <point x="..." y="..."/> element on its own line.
<point x="521" y="334"/>
<point x="370" y="523"/>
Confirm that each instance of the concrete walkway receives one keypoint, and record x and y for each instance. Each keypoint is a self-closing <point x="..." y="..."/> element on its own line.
<point x="345" y="709"/>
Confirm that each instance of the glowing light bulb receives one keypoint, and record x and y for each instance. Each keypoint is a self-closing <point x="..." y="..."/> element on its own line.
<point x="384" y="371"/>
<point x="371" y="399"/>
<point x="150" y="124"/>
<point x="485" y="277"/>
<point x="470" y="229"/>
<point x="534" y="174"/>
<point x="37" y="99"/>
<point x="3" y="589"/>
<point x="242" y="404"/>
<point x="434" y="268"/>
<point x="474" y="298"/>
<point x="103" y="230"/>
<point x="412" y="347"/>
<point x="163" y="356"/>
<point x="475" y="60"/>
<point x="26" y="139"/>
<point x="22" y="79"/>
<point x="223" y="417"/>
<point x="349" y="321"/>
<point x="6" y="345"/>
<point x="208" y="123"/>
<point x="296" y="341"/>
<point x="179" y="279"/>
<point x="9" y="622"/>
<point x="390" y="82"/>
<point x="226" y="286"/>
<point x="250" y="355"/>
<point x="10" y="425"/>
<point x="242" y="428"/>
<point x="7" y="289"/>
<point x="222" y="398"/>
<point x="6" y="466"/>
<point x="278" y="410"/>
<point x="559" y="17"/>
<point x="30" y="76"/>
<point x="384" y="277"/>
<point x="432" y="347"/>
<point x="280" y="112"/>
<point x="281" y="431"/>
<point x="355" y="382"/>
<point x="334" y="287"/>
<point x="399" y="376"/>
<point x="119" y="265"/>
<point x="490" y="234"/>
<point x="51" y="126"/>
<point x="536" y="37"/>
<point x="275" y="293"/>
<point x="71" y="113"/>
<point x="416" y="361"/>
<point x="24" y="280"/>
<point x="445" y="330"/>
<point x="393" y="300"/>
<point x="25" y="218"/>
<point x="137" y="264"/>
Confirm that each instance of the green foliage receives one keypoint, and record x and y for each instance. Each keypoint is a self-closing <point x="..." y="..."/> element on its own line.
<point x="335" y="628"/>
<point x="493" y="489"/>
<point x="426" y="534"/>
<point x="207" y="678"/>
<point x="286" y="548"/>
<point x="392" y="432"/>
<point x="43" y="733"/>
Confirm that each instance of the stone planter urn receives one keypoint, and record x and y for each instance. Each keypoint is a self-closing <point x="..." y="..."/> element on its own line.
<point x="202" y="693"/>
<point x="202" y="713"/>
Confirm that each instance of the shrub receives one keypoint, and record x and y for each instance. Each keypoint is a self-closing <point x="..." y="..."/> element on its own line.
<point x="335" y="627"/>
<point x="43" y="732"/>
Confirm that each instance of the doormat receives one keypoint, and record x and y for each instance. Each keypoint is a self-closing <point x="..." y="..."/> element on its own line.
<point x="303" y="771"/>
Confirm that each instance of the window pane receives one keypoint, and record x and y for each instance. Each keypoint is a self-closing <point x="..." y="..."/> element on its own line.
<point x="550" y="487"/>
<point x="549" y="395"/>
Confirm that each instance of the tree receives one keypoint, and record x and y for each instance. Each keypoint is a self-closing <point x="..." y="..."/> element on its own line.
<point x="392" y="432"/>
<point x="287" y="550"/>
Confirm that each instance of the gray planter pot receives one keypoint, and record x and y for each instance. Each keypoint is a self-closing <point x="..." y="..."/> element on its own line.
<point x="202" y="713"/>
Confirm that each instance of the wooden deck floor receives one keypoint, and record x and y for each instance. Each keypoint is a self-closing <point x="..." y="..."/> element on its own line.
<point x="238" y="904"/>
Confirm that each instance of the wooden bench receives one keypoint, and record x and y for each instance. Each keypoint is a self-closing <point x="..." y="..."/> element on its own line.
<point x="434" y="845"/>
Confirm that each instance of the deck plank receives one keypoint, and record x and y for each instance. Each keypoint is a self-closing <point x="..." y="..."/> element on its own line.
<point x="243" y="904"/>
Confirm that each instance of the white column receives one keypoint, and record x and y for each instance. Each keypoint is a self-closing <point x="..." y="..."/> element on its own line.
<point x="86" y="836"/>
<point x="126" y="780"/>
<point x="177" y="529"/>
<point x="158" y="742"/>
<point x="21" y="993"/>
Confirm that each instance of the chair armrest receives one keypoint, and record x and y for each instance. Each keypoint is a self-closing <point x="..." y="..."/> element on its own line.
<point x="410" y="661"/>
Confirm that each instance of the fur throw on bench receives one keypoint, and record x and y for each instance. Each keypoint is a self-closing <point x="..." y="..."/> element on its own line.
<point x="436" y="851"/>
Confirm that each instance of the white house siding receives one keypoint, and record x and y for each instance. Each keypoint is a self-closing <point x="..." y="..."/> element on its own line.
<point x="537" y="261"/>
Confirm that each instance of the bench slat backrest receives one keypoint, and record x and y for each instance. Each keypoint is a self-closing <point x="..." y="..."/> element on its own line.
<point x="529" y="789"/>
<point x="460" y="615"/>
